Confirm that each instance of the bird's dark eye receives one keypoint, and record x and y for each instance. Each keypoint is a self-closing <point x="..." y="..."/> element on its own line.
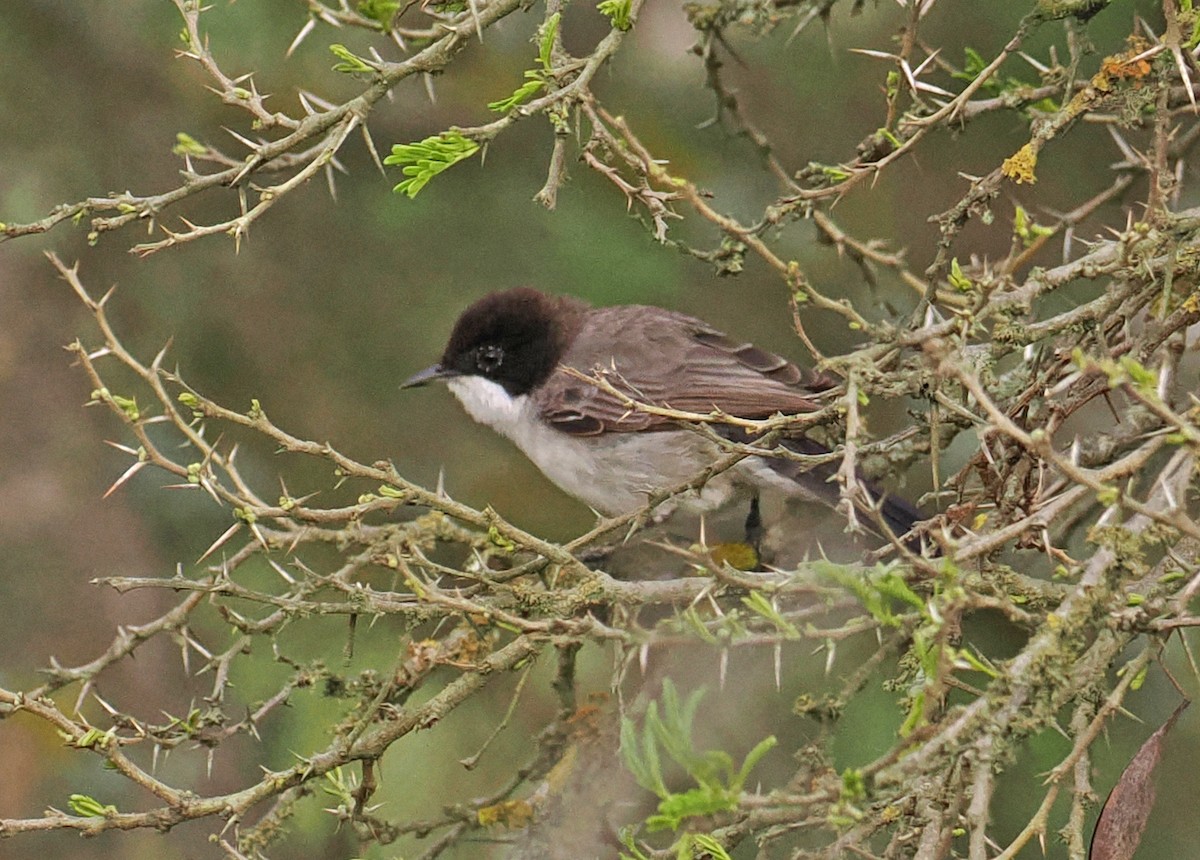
<point x="488" y="358"/>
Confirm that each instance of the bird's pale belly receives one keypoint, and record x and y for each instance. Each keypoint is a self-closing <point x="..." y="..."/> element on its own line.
<point x="617" y="473"/>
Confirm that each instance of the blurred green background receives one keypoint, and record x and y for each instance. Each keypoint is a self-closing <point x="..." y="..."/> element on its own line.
<point x="329" y="304"/>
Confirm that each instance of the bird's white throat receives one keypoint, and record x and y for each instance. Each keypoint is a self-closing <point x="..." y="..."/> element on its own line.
<point x="568" y="462"/>
<point x="488" y="403"/>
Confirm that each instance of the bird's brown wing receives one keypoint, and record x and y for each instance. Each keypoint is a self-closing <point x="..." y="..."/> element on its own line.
<point x="671" y="360"/>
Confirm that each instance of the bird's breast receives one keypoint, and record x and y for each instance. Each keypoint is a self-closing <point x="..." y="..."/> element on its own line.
<point x="613" y="473"/>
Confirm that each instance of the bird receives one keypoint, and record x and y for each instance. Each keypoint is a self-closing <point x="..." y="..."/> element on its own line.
<point x="525" y="364"/>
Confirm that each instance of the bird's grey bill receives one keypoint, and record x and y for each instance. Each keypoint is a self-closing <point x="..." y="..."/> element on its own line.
<point x="429" y="374"/>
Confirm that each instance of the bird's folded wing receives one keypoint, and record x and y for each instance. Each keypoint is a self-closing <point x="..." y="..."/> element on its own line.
<point x="687" y="366"/>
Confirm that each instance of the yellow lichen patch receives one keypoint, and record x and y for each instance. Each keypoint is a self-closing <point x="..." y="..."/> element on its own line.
<point x="738" y="555"/>
<point x="1127" y="65"/>
<point x="1020" y="166"/>
<point x="510" y="814"/>
<point x="469" y="650"/>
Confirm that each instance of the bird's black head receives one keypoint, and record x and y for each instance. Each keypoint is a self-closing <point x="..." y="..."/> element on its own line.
<point x="515" y="338"/>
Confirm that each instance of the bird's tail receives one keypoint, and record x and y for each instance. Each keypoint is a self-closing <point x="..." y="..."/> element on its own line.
<point x="899" y="513"/>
